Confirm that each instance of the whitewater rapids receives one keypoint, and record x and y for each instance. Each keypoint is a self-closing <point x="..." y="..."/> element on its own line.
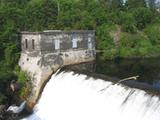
<point x="72" y="96"/>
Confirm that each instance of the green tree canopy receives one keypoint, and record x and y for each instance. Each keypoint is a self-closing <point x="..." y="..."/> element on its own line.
<point x="133" y="4"/>
<point x="41" y="14"/>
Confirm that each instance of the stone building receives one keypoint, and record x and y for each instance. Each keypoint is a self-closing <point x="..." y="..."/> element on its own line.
<point x="44" y="52"/>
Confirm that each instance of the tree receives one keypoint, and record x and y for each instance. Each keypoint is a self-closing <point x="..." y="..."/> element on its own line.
<point x="143" y="16"/>
<point x="18" y="3"/>
<point x="111" y="4"/>
<point x="104" y="3"/>
<point x="133" y="4"/>
<point x="152" y="4"/>
<point x="11" y="55"/>
<point x="116" y="4"/>
<point x="128" y="22"/>
<point x="41" y="14"/>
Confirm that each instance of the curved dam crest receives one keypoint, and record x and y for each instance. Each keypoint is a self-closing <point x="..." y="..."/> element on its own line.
<point x="73" y="96"/>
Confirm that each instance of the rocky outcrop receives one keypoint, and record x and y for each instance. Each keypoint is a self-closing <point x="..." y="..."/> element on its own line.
<point x="12" y="113"/>
<point x="17" y="109"/>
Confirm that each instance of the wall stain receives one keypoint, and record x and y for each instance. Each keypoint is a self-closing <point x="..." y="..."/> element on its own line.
<point x="51" y="60"/>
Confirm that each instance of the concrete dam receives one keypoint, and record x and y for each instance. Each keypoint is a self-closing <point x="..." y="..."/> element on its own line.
<point x="44" y="52"/>
<point x="71" y="95"/>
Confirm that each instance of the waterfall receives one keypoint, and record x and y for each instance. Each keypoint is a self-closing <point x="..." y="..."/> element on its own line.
<point x="72" y="96"/>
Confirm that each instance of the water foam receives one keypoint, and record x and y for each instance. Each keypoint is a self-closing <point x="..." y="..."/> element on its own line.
<point x="72" y="96"/>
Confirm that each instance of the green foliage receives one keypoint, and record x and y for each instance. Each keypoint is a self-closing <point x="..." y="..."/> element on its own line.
<point x="143" y="16"/>
<point x="41" y="14"/>
<point x="152" y="4"/>
<point x="24" y="81"/>
<point x="111" y="5"/>
<point x="11" y="55"/>
<point x="5" y="78"/>
<point x="116" y="4"/>
<point x="6" y="75"/>
<point x="80" y="15"/>
<point x="105" y="42"/>
<point x="128" y="22"/>
<point x="22" y="76"/>
<point x="134" y="4"/>
<point x="153" y="34"/>
<point x="135" y="45"/>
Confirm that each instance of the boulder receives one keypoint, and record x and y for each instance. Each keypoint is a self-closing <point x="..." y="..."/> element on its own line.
<point x="17" y="109"/>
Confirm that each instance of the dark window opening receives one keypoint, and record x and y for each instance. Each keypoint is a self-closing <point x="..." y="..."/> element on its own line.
<point x="33" y="47"/>
<point x="26" y="43"/>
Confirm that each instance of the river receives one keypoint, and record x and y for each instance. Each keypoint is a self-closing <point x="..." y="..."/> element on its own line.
<point x="148" y="70"/>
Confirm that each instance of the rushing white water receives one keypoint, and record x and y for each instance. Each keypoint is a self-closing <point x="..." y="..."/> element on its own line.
<point x="72" y="96"/>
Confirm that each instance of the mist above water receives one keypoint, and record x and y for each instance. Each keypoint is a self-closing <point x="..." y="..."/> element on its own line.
<point x="72" y="96"/>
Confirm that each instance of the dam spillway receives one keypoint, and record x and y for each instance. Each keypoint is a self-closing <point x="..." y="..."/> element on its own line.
<point x="72" y="96"/>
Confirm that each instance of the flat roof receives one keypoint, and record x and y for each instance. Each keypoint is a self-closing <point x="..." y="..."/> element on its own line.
<point x="57" y="31"/>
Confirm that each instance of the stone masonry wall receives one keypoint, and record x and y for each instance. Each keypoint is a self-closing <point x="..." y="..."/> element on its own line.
<point x="42" y="60"/>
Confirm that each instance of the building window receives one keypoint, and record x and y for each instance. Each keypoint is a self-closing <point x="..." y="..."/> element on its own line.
<point x="26" y="43"/>
<point x="74" y="40"/>
<point x="57" y="44"/>
<point x="33" y="44"/>
<point x="89" y="43"/>
<point x="74" y="43"/>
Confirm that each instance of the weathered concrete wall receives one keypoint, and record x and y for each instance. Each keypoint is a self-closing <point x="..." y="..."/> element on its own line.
<point x="43" y="60"/>
<point x="29" y="38"/>
<point x="66" y="40"/>
<point x="41" y="67"/>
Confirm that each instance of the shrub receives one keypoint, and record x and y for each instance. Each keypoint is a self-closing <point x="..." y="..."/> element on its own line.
<point x="153" y="34"/>
<point x="11" y="54"/>
<point x="128" y="22"/>
<point x="105" y="42"/>
<point x="135" y="45"/>
<point x="143" y="16"/>
<point x="24" y="81"/>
